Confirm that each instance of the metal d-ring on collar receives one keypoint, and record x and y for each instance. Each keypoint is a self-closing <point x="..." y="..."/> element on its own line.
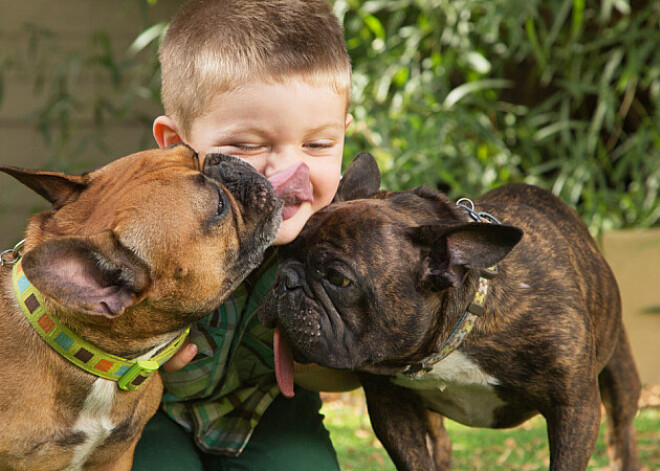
<point x="15" y="253"/>
<point x="477" y="217"/>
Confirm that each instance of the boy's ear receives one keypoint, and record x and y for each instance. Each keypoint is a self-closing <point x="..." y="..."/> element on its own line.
<point x="166" y="132"/>
<point x="58" y="188"/>
<point x="456" y="248"/>
<point x="95" y="275"/>
<point x="361" y="179"/>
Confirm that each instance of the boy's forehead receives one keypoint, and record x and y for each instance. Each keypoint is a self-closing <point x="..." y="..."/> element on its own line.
<point x="261" y="107"/>
<point x="272" y="90"/>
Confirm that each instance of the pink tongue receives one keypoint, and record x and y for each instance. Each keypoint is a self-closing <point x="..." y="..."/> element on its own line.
<point x="292" y="184"/>
<point x="283" y="364"/>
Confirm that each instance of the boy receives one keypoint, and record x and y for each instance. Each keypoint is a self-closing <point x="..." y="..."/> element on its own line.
<point x="267" y="81"/>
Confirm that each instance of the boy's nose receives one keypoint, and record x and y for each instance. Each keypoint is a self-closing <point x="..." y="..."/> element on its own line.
<point x="293" y="184"/>
<point x="280" y="159"/>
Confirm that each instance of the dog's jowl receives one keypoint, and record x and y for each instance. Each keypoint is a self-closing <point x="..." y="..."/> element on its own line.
<point x="104" y="290"/>
<point x="487" y="313"/>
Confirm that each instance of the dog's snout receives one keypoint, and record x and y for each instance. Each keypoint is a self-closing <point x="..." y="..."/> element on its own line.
<point x="230" y="172"/>
<point x="250" y="188"/>
<point x="227" y="169"/>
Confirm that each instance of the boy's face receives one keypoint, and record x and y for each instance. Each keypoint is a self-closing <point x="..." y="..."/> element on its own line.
<point x="292" y="133"/>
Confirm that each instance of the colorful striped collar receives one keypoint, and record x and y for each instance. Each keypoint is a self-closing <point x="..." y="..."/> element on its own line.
<point x="129" y="374"/>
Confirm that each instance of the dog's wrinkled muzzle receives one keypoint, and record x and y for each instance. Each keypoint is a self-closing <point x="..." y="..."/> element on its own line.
<point x="242" y="180"/>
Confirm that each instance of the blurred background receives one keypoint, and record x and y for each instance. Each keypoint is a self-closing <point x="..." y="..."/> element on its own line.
<point x="460" y="95"/>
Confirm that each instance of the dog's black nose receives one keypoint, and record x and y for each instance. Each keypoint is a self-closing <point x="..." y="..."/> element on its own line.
<point x="289" y="280"/>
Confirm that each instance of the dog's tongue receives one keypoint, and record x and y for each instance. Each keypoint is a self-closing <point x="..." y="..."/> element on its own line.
<point x="283" y="364"/>
<point x="292" y="184"/>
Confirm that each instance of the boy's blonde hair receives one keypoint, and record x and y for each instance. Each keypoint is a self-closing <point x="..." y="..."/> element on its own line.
<point x="214" y="46"/>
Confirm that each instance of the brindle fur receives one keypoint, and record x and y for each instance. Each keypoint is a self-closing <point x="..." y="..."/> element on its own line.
<point x="149" y="226"/>
<point x="551" y="338"/>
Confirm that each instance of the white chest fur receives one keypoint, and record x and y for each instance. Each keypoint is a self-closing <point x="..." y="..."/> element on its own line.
<point x="94" y="421"/>
<point x="458" y="389"/>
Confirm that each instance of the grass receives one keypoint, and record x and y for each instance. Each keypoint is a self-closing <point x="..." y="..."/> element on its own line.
<point x="524" y="448"/>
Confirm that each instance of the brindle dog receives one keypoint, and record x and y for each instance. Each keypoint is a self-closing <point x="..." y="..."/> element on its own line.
<point x="377" y="281"/>
<point x="127" y="258"/>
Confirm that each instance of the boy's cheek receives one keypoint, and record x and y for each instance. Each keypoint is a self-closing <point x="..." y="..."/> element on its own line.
<point x="330" y="185"/>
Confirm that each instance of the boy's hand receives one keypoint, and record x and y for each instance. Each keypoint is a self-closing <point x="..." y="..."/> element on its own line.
<point x="181" y="358"/>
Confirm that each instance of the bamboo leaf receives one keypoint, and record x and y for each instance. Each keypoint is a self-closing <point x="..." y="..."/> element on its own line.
<point x="460" y="92"/>
<point x="148" y="36"/>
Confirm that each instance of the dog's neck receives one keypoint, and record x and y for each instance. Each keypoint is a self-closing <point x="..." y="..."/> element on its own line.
<point x="452" y="327"/>
<point x="128" y="335"/>
<point x="451" y="305"/>
<point x="56" y="328"/>
<point x="454" y="304"/>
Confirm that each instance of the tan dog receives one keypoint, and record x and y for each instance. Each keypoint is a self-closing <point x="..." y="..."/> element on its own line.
<point x="129" y="256"/>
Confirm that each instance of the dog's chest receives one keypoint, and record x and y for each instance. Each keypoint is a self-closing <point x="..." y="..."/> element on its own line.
<point x="458" y="389"/>
<point x="94" y="422"/>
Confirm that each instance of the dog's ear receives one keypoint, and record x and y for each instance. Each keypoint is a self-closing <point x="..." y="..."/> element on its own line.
<point x="455" y="248"/>
<point x="361" y="179"/>
<point x="58" y="188"/>
<point x="95" y="275"/>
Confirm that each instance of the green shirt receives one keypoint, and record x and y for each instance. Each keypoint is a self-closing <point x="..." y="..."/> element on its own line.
<point x="220" y="396"/>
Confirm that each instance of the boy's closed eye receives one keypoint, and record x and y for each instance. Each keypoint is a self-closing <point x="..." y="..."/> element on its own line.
<point x="247" y="149"/>
<point x="321" y="144"/>
<point x="243" y="148"/>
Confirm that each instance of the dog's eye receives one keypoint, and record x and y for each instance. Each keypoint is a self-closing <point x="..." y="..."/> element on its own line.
<point x="337" y="279"/>
<point x="221" y="202"/>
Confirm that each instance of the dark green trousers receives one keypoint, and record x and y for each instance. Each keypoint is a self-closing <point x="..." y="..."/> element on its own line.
<point x="289" y="437"/>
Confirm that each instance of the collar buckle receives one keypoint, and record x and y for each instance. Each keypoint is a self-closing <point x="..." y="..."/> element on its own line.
<point x="137" y="374"/>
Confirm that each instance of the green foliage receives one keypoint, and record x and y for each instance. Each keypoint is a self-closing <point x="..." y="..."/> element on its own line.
<point x="470" y="94"/>
<point x="463" y="95"/>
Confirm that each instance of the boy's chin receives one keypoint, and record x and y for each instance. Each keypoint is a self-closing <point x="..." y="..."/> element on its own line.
<point x="292" y="226"/>
<point x="285" y="235"/>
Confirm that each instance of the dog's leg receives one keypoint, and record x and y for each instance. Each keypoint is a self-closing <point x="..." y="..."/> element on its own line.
<point x="619" y="391"/>
<point x="573" y="431"/>
<point x="439" y="441"/>
<point x="398" y="419"/>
